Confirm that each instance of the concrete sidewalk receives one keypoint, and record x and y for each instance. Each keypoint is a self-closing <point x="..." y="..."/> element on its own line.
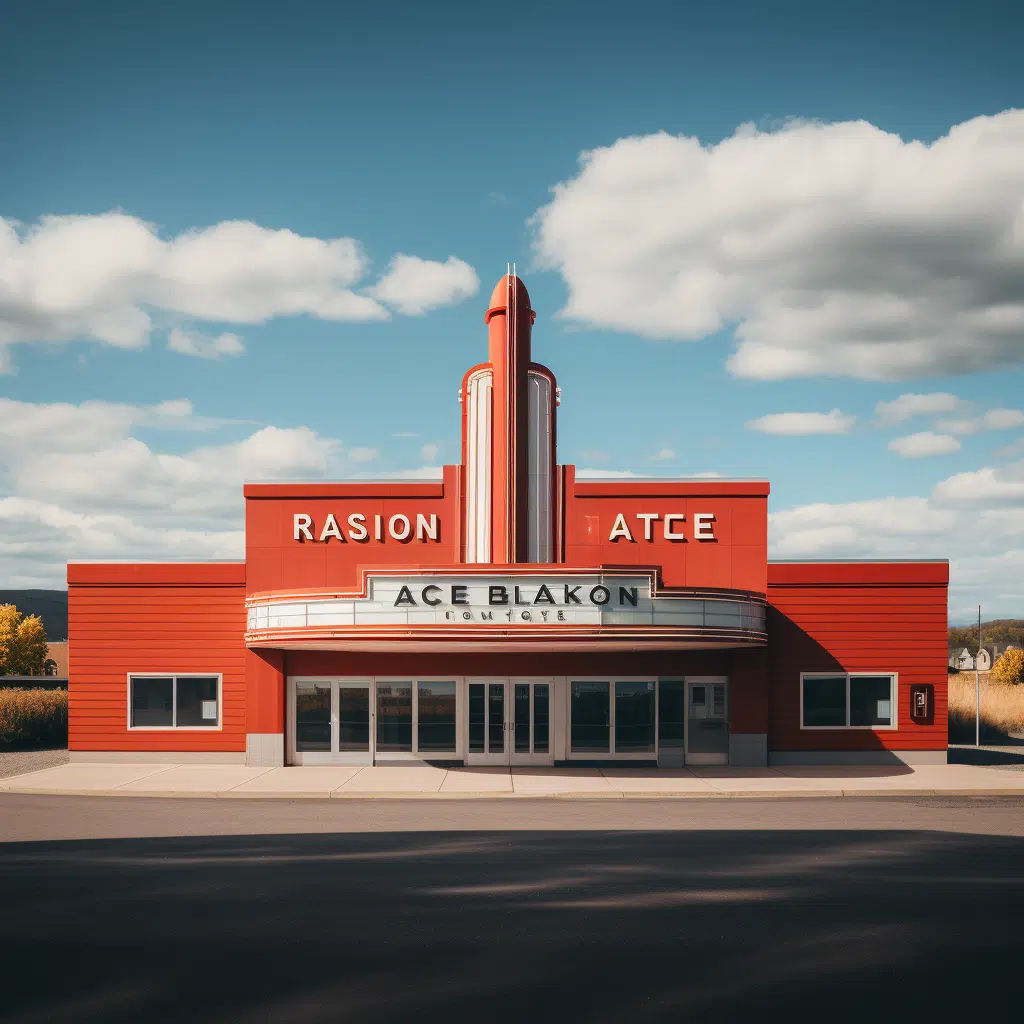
<point x="237" y="781"/>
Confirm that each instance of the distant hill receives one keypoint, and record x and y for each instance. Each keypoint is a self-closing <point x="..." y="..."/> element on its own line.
<point x="50" y="605"/>
<point x="995" y="631"/>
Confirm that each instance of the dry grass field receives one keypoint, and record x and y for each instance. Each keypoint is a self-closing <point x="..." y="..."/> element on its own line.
<point x="30" y="718"/>
<point x="1002" y="708"/>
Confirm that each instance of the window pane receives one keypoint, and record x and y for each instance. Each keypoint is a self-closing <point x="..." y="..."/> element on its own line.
<point x="634" y="717"/>
<point x="436" y="729"/>
<point x="496" y="718"/>
<point x="312" y="717"/>
<point x="671" y="705"/>
<point x="522" y="717"/>
<point x="197" y="701"/>
<point x="354" y="718"/>
<point x="871" y="700"/>
<point x="589" y="717"/>
<point x="394" y="716"/>
<point x="540" y="718"/>
<point x="476" y="718"/>
<point x="152" y="701"/>
<point x="825" y="700"/>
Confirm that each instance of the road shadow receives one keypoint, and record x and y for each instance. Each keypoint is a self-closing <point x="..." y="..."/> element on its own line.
<point x="511" y="926"/>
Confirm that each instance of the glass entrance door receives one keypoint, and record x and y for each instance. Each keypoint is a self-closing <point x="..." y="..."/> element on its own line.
<point x="330" y="722"/>
<point x="707" y="722"/>
<point x="509" y="721"/>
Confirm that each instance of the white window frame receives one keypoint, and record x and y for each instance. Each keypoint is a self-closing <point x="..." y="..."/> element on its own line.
<point x="174" y="677"/>
<point x="596" y="755"/>
<point x="414" y="754"/>
<point x="894" y="690"/>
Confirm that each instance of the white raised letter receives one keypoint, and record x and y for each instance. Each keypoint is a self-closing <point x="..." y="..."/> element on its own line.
<point x="357" y="531"/>
<point x="703" y="526"/>
<point x="670" y="518"/>
<point x="407" y="527"/>
<point x="301" y="524"/>
<point x="426" y="529"/>
<point x="648" y="518"/>
<point x="376" y="528"/>
<point x="331" y="528"/>
<point x="620" y="529"/>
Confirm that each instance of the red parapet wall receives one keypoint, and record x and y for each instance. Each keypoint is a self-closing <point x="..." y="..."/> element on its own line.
<point x="152" y="618"/>
<point x="277" y="561"/>
<point x="734" y="559"/>
<point x="857" y="617"/>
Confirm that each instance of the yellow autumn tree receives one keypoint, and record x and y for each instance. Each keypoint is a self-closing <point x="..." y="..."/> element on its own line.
<point x="22" y="643"/>
<point x="1010" y="667"/>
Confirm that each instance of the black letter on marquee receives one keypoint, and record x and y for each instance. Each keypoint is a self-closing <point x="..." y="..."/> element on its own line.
<point x="543" y="595"/>
<point x="604" y="590"/>
<point x="519" y="597"/>
<point x="459" y="595"/>
<point x="570" y="595"/>
<point x="497" y="595"/>
<point x="426" y="600"/>
<point x="404" y="597"/>
<point x="627" y="594"/>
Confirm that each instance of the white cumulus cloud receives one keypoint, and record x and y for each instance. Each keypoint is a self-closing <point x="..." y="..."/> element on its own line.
<point x="801" y="424"/>
<point x="102" y="277"/>
<point x="204" y="346"/>
<point x="924" y="444"/>
<point x="835" y="249"/>
<point x="663" y="455"/>
<point x="429" y="453"/>
<point x="414" y="286"/>
<point x="905" y="407"/>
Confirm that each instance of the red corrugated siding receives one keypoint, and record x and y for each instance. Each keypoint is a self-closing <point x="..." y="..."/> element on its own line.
<point x="153" y="618"/>
<point x="880" y="617"/>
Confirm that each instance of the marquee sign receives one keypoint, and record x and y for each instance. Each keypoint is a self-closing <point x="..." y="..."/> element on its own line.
<point x="506" y="602"/>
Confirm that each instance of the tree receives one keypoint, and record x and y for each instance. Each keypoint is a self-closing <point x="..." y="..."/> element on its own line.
<point x="1010" y="667"/>
<point x="22" y="643"/>
<point x="964" y="636"/>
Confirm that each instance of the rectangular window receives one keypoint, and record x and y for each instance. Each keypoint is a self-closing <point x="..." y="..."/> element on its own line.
<point x="436" y="716"/>
<point x="394" y="716"/>
<point x="590" y="717"/>
<point x="174" y="702"/>
<point x="850" y="701"/>
<point x="871" y="701"/>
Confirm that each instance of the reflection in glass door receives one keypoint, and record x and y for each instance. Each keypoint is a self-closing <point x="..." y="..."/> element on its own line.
<point x="508" y="721"/>
<point x="707" y="722"/>
<point x="330" y="722"/>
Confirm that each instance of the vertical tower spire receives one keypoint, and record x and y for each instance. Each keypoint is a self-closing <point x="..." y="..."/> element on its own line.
<point x="509" y="327"/>
<point x="508" y="440"/>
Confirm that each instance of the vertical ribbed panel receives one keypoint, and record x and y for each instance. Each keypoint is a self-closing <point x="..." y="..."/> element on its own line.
<point x="540" y="539"/>
<point x="479" y="427"/>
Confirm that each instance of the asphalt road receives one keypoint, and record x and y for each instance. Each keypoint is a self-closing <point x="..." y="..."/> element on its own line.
<point x="697" y="911"/>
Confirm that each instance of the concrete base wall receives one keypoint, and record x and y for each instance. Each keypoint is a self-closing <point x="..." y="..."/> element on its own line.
<point x="157" y="757"/>
<point x="264" y="749"/>
<point x="852" y="757"/>
<point x="748" y="749"/>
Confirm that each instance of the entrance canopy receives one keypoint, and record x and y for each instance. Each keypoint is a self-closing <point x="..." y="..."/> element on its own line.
<point x="521" y="608"/>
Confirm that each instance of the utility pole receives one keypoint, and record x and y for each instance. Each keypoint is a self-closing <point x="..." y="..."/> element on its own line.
<point x="977" y="688"/>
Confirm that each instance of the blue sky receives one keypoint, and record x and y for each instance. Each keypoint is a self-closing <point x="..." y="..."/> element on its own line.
<point x="440" y="132"/>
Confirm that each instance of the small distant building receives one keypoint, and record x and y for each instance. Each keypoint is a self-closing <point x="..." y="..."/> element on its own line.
<point x="961" y="659"/>
<point x="56" y="663"/>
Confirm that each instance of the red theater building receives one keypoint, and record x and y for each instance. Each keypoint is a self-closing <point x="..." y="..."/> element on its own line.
<point x="509" y="614"/>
